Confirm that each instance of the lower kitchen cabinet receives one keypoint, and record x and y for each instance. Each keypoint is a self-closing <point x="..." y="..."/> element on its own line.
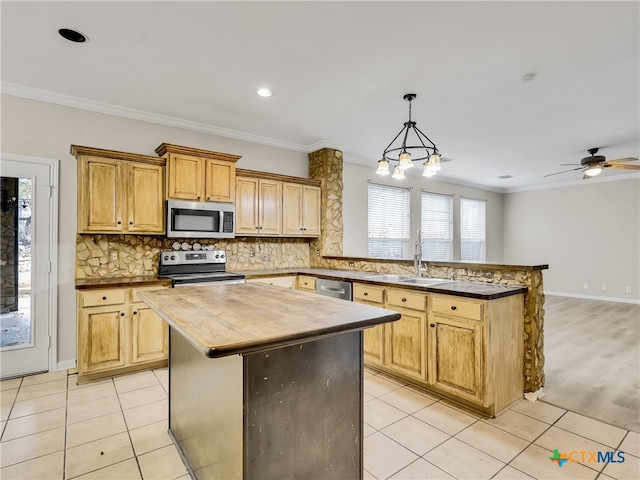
<point x="288" y="281"/>
<point x="306" y="283"/>
<point x="373" y="337"/>
<point x="406" y="338"/>
<point x="118" y="334"/>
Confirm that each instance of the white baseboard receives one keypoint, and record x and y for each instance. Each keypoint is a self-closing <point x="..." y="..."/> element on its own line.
<point x="594" y="297"/>
<point x="66" y="365"/>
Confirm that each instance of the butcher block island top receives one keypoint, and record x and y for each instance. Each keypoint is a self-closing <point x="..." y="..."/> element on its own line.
<point x="221" y="320"/>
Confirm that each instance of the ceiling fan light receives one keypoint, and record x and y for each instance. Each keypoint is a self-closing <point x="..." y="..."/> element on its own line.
<point x="383" y="167"/>
<point x="398" y="173"/>
<point x="405" y="161"/>
<point x="593" y="171"/>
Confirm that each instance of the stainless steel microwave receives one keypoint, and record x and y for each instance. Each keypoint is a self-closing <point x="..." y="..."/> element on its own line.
<point x="200" y="219"/>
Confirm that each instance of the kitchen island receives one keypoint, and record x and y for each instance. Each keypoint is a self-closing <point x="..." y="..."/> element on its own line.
<point x="265" y="382"/>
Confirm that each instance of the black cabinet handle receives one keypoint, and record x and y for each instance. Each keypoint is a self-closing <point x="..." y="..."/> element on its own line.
<point x="453" y="307"/>
<point x="404" y="299"/>
<point x="130" y="223"/>
<point x="104" y="298"/>
<point x="121" y="314"/>
<point x="135" y="312"/>
<point x="119" y="222"/>
<point x="208" y="198"/>
<point x="432" y="325"/>
<point x="366" y="294"/>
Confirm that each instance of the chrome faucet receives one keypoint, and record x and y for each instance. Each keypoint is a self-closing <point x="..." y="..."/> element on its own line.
<point x="417" y="256"/>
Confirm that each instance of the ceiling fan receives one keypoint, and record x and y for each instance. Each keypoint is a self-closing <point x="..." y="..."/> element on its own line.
<point x="594" y="164"/>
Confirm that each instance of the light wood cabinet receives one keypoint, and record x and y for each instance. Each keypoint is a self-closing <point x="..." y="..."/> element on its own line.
<point x="269" y="204"/>
<point x="119" y="192"/>
<point x="258" y="207"/>
<point x="199" y="175"/>
<point x="406" y="338"/>
<point x="117" y="333"/>
<point x="300" y="210"/>
<point x="373" y="337"/>
<point x="307" y="283"/>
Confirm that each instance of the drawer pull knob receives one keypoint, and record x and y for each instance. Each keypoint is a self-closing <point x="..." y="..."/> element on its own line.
<point x="135" y="312"/>
<point x="432" y="325"/>
<point x="404" y="299"/>
<point x="453" y="307"/>
<point x="366" y="294"/>
<point x="130" y="223"/>
<point x="121" y="314"/>
<point x="104" y="298"/>
<point x="119" y="222"/>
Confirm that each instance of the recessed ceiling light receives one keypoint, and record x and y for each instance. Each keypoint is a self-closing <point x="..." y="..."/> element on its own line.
<point x="264" y="92"/>
<point x="528" y="78"/>
<point x="72" y="35"/>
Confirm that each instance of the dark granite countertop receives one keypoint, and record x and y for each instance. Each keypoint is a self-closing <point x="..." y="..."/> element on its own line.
<point x="119" y="282"/>
<point x="479" y="290"/>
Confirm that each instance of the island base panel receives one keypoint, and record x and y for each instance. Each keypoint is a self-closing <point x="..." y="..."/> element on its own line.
<point x="292" y="412"/>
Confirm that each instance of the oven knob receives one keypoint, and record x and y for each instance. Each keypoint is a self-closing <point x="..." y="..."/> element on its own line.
<point x="173" y="257"/>
<point x="165" y="258"/>
<point x="222" y="255"/>
<point x="217" y="256"/>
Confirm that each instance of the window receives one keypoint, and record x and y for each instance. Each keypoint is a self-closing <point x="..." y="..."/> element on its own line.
<point x="388" y="221"/>
<point x="473" y="226"/>
<point x="436" y="226"/>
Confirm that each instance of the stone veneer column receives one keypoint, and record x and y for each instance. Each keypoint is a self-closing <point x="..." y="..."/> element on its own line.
<point x="326" y="165"/>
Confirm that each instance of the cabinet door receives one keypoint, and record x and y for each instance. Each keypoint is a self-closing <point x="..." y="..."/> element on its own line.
<point x="292" y="209"/>
<point x="145" y="210"/>
<point x="220" y="181"/>
<point x="270" y="207"/>
<point x="455" y="356"/>
<point x="406" y="347"/>
<point x="101" y="338"/>
<point x="246" y="206"/>
<point x="373" y="339"/>
<point x="311" y="211"/>
<point x="101" y="196"/>
<point x="149" y="335"/>
<point x="186" y="177"/>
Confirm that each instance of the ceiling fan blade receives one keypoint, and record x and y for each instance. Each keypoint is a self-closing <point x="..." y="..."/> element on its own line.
<point x="622" y="160"/>
<point x="564" y="171"/>
<point x="569" y="164"/>
<point x="626" y="167"/>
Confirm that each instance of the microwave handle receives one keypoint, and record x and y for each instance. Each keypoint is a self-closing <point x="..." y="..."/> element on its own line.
<point x="221" y="224"/>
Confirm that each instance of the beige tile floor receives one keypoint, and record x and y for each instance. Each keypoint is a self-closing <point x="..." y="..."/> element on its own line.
<point x="117" y="429"/>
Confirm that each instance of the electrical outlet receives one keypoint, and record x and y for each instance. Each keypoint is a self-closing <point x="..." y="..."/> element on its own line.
<point x="628" y="289"/>
<point x="252" y="253"/>
<point x="114" y="255"/>
<point x="317" y="253"/>
<point x="604" y="287"/>
<point x="585" y="285"/>
<point x="351" y="264"/>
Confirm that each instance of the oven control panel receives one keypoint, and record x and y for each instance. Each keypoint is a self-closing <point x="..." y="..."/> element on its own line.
<point x="186" y="258"/>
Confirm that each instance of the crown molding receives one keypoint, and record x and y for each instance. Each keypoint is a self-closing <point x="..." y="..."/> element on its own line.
<point x="575" y="183"/>
<point x="118" y="111"/>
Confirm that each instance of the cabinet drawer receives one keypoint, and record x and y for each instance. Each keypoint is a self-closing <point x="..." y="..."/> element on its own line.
<point x="102" y="297"/>
<point x="368" y="293"/>
<point x="308" y="283"/>
<point x="456" y="307"/>
<point x="407" y="299"/>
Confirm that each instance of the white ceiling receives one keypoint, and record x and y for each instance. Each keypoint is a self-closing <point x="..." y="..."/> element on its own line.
<point x="340" y="69"/>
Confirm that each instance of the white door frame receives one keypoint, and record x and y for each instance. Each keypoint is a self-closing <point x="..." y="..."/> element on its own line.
<point x="53" y="185"/>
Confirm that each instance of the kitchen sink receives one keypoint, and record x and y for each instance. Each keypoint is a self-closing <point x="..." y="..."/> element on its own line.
<point x="425" y="281"/>
<point x="388" y="278"/>
<point x="410" y="279"/>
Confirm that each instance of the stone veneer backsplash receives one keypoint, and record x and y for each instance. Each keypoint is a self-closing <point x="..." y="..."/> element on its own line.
<point x="140" y="255"/>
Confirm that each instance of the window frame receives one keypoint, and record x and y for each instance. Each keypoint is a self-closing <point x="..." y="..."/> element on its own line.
<point x="428" y="240"/>
<point x="397" y="246"/>
<point x="478" y="237"/>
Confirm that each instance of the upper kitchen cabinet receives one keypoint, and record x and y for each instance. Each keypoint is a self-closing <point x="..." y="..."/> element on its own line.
<point x="258" y="206"/>
<point x="300" y="210"/>
<point x="119" y="192"/>
<point x="199" y="175"/>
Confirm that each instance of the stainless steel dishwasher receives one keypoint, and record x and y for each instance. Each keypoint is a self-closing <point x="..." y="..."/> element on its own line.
<point x="334" y="288"/>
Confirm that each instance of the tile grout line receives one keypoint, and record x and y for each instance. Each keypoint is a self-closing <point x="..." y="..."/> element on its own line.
<point x="126" y="424"/>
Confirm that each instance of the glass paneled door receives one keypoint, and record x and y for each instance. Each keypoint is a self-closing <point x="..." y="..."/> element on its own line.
<point x="25" y="267"/>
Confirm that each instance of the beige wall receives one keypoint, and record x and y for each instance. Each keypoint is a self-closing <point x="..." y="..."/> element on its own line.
<point x="45" y="130"/>
<point x="355" y="209"/>
<point x="587" y="233"/>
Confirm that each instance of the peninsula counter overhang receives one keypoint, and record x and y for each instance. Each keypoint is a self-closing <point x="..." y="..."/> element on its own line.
<point x="221" y="320"/>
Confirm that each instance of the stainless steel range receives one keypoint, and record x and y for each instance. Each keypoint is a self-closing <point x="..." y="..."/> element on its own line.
<point x="197" y="268"/>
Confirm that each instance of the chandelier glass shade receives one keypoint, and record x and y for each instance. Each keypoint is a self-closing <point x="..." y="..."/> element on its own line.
<point x="420" y="148"/>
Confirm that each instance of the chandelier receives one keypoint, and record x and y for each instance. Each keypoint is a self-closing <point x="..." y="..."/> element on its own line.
<point x="405" y="154"/>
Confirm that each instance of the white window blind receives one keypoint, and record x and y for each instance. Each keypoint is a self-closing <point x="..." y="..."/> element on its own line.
<point x="436" y="225"/>
<point x="473" y="229"/>
<point x="388" y="221"/>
